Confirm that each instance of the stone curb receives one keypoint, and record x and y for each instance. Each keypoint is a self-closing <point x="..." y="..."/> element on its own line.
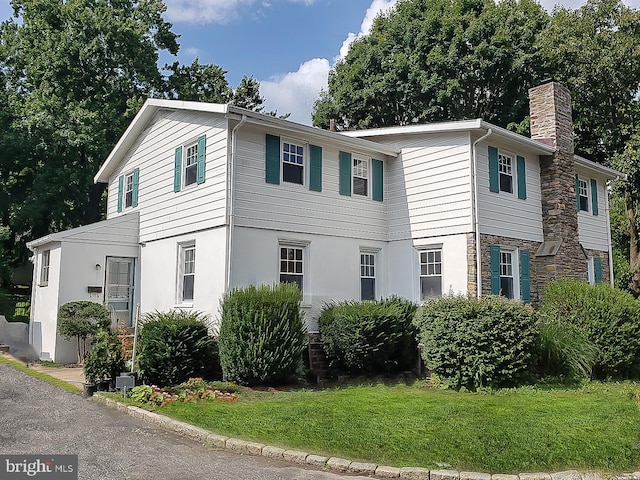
<point x="335" y="464"/>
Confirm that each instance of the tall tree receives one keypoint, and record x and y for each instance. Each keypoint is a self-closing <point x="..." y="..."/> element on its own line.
<point x="75" y="74"/>
<point x="430" y="60"/>
<point x="198" y="82"/>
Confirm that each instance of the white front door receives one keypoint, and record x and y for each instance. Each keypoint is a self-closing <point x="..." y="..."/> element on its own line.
<point x="119" y="288"/>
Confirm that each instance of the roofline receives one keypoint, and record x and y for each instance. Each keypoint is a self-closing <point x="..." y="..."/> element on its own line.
<point x="454" y="126"/>
<point x="153" y="105"/>
<point x="599" y="168"/>
<point x="57" y="236"/>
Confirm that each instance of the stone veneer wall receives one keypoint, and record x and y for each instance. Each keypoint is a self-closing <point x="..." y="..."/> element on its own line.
<point x="318" y="361"/>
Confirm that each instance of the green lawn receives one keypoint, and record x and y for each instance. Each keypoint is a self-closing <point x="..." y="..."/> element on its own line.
<point x="595" y="427"/>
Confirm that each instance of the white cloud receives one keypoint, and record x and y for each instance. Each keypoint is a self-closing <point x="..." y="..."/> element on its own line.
<point x="212" y="11"/>
<point x="376" y="7"/>
<point x="295" y="92"/>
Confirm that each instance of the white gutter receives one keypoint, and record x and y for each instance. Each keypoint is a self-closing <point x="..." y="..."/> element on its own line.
<point x="232" y="179"/>
<point x="610" y="247"/>
<point x="476" y="219"/>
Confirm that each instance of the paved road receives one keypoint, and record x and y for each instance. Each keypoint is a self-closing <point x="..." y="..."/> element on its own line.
<point x="38" y="418"/>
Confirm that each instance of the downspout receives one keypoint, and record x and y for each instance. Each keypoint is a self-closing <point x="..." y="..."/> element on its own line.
<point x="476" y="220"/>
<point x="232" y="178"/>
<point x="610" y="247"/>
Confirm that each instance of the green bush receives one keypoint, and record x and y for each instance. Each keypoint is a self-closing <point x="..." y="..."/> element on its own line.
<point x="564" y="350"/>
<point x="610" y="319"/>
<point x="79" y="320"/>
<point x="105" y="360"/>
<point x="369" y="337"/>
<point x="471" y="343"/>
<point x="175" y="346"/>
<point x="262" y="335"/>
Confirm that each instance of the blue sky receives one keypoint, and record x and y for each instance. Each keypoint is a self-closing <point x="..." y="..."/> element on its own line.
<point x="288" y="45"/>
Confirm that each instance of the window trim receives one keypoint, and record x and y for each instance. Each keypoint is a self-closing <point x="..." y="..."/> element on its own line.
<point x="376" y="267"/>
<point x="586" y="196"/>
<point x="306" y="277"/>
<point x="128" y="194"/>
<point x="426" y="249"/>
<point x="515" y="270"/>
<point x="183" y="247"/>
<point x="305" y="159"/>
<point x="512" y="167"/>
<point x="185" y="165"/>
<point x="367" y="163"/>
<point x="45" y="267"/>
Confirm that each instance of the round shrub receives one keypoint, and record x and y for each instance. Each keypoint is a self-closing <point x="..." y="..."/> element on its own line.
<point x="609" y="317"/>
<point x="471" y="343"/>
<point x="79" y="320"/>
<point x="173" y="347"/>
<point x="262" y="335"/>
<point x="370" y="338"/>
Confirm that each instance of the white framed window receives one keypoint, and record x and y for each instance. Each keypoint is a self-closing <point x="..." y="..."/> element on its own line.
<point x="191" y="164"/>
<point x="44" y="268"/>
<point x="360" y="177"/>
<point x="367" y="275"/>
<point x="292" y="265"/>
<point x="507" y="281"/>
<point x="430" y="273"/>
<point x="186" y="272"/>
<point x="128" y="190"/>
<point x="505" y="171"/>
<point x="292" y="162"/>
<point x="583" y="195"/>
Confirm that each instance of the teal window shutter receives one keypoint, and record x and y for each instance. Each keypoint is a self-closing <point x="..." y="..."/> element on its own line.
<point x="120" y="187"/>
<point x="494" y="179"/>
<point x="272" y="161"/>
<point x="315" y="168"/>
<point x="522" y="178"/>
<point x="134" y="193"/>
<point x="495" y="269"/>
<point x="597" y="270"/>
<point x="594" y="196"/>
<point x="177" y="170"/>
<point x="525" y="276"/>
<point x="345" y="173"/>
<point x="577" y="194"/>
<point x="202" y="155"/>
<point x="377" y="172"/>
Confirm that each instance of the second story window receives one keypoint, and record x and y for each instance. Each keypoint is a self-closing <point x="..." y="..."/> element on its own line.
<point x="505" y="169"/>
<point x="583" y="195"/>
<point x="128" y="191"/>
<point x="44" y="269"/>
<point x="292" y="163"/>
<point x="360" y="177"/>
<point x="191" y="165"/>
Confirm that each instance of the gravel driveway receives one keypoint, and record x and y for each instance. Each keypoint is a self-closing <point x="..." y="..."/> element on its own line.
<point x="38" y="418"/>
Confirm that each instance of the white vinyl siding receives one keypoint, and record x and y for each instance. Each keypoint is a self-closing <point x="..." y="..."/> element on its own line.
<point x="592" y="229"/>
<point x="287" y="207"/>
<point x="164" y="213"/>
<point x="430" y="187"/>
<point x="507" y="215"/>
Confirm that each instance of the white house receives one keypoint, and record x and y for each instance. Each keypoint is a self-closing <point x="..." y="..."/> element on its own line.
<point x="214" y="197"/>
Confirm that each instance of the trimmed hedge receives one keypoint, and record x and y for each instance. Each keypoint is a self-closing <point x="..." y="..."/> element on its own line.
<point x="262" y="335"/>
<point x="373" y="337"/>
<point x="610" y="319"/>
<point x="175" y="346"/>
<point x="472" y="343"/>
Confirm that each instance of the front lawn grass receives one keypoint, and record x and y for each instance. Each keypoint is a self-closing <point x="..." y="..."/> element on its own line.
<point x="593" y="427"/>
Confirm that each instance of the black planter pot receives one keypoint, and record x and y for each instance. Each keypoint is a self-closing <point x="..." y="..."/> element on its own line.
<point x="88" y="389"/>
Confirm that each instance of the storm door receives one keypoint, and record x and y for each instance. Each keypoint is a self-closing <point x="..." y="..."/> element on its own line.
<point x="119" y="289"/>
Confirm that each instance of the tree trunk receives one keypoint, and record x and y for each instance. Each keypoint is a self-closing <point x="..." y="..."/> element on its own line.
<point x="634" y="254"/>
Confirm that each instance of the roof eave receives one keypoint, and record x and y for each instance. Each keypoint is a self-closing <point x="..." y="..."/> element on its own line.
<point x="598" y="168"/>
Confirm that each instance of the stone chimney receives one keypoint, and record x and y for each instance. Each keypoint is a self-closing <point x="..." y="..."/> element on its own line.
<point x="561" y="254"/>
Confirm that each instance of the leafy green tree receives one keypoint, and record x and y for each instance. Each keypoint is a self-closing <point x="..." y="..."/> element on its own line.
<point x="430" y="60"/>
<point x="79" y="320"/>
<point x="198" y="82"/>
<point x="247" y="94"/>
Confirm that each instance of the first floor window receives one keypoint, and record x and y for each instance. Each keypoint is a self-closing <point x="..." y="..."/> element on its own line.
<point x="583" y="195"/>
<point x="506" y="274"/>
<point x="360" y="177"/>
<point x="128" y="190"/>
<point x="430" y="274"/>
<point x="44" y="270"/>
<point x="505" y="168"/>
<point x="292" y="266"/>
<point x="367" y="276"/>
<point x="292" y="163"/>
<point x="191" y="165"/>
<point x="187" y="272"/>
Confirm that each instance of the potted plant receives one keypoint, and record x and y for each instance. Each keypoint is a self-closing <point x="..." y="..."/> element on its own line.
<point x="103" y="363"/>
